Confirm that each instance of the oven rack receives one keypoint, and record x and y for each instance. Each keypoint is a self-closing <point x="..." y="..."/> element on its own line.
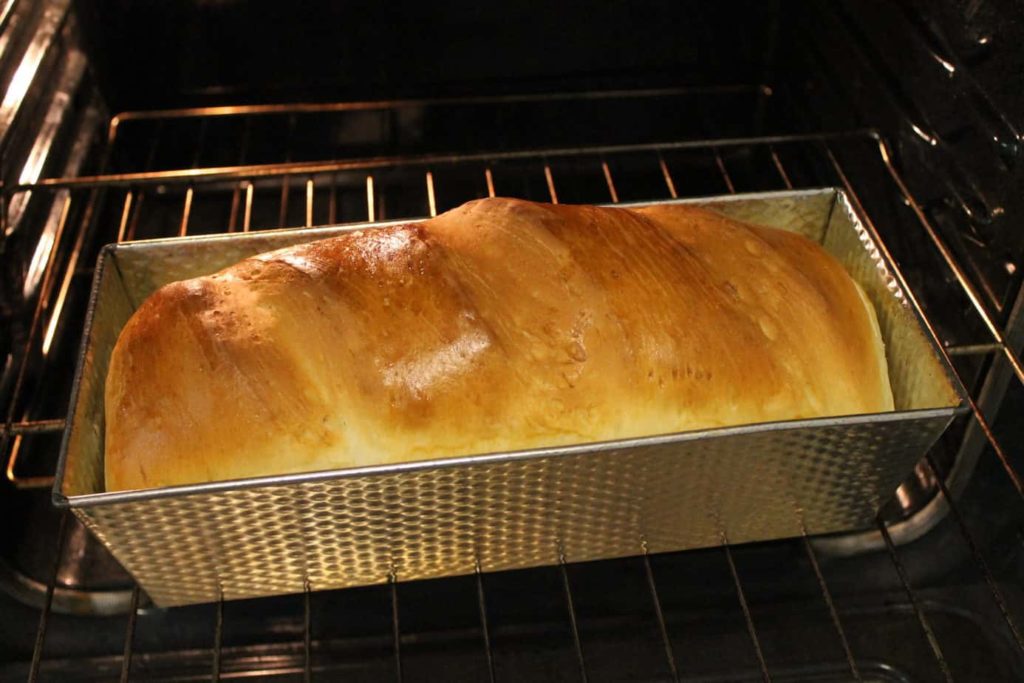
<point x="325" y="190"/>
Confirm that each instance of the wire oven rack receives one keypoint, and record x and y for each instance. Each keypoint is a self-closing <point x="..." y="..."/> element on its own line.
<point x="153" y="193"/>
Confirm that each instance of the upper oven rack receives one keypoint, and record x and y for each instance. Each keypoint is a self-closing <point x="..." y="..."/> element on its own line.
<point x="80" y="201"/>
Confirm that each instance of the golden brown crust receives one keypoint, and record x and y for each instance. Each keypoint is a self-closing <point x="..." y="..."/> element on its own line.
<point x="500" y="325"/>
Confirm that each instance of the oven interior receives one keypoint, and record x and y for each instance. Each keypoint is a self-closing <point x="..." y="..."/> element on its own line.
<point x="128" y="121"/>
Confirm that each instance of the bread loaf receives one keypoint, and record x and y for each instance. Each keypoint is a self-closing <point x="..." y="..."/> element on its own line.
<point x="500" y="325"/>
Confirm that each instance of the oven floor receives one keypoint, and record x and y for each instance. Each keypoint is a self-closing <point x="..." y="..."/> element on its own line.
<point x="351" y="631"/>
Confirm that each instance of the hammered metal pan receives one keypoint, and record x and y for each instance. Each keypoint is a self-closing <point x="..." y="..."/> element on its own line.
<point x="332" y="529"/>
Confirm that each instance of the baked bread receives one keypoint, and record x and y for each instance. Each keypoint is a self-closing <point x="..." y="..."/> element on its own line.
<point x="500" y="325"/>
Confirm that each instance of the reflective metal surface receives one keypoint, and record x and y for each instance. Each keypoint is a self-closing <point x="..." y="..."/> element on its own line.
<point x="508" y="510"/>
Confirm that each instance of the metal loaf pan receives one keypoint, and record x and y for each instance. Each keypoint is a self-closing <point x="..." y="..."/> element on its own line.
<point x="279" y="534"/>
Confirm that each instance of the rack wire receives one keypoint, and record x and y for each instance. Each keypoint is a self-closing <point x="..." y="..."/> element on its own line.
<point x="396" y="628"/>
<point x="485" y="630"/>
<point x="748" y="618"/>
<point x="82" y="198"/>
<point x="659" y="613"/>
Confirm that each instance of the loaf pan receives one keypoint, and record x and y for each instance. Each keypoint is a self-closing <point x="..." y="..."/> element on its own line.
<point x="497" y="511"/>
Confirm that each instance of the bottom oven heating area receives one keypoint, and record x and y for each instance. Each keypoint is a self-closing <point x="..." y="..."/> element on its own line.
<point x="931" y="592"/>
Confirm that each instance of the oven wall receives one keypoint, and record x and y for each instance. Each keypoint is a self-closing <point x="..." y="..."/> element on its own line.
<point x="181" y="53"/>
